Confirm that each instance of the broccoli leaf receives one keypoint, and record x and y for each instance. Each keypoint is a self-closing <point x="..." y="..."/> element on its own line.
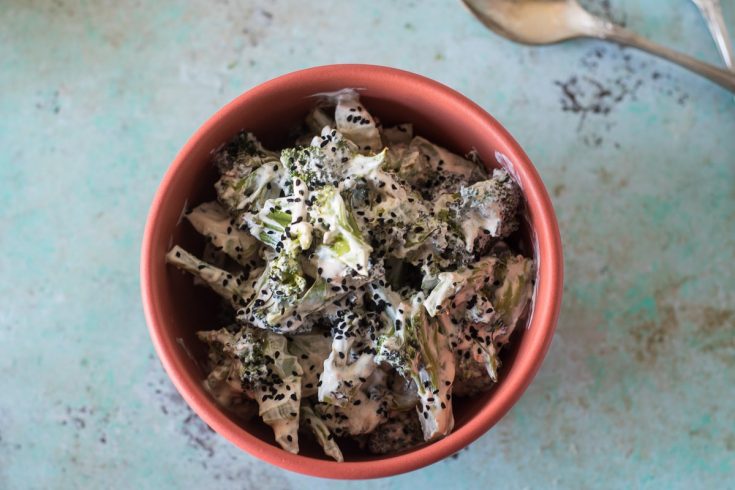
<point x="399" y="134"/>
<point x="483" y="210"/>
<point x="234" y="288"/>
<point x="514" y="294"/>
<point x="258" y="361"/>
<point x="243" y="150"/>
<point x="418" y="349"/>
<point x="276" y="295"/>
<point x="367" y="408"/>
<point x="311" y="350"/>
<point x="355" y="122"/>
<point x="245" y="187"/>
<point x="400" y="432"/>
<point x="351" y="360"/>
<point x="212" y="221"/>
<point x="340" y="232"/>
<point x="323" y="436"/>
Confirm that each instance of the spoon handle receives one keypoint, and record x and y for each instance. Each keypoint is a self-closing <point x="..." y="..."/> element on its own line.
<point x="612" y="32"/>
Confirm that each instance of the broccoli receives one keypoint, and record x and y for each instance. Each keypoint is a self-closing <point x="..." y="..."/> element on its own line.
<point x="351" y="359"/>
<point x="245" y="189"/>
<point x="446" y="164"/>
<point x="399" y="219"/>
<point x="335" y="284"/>
<point x="315" y="164"/>
<point x="212" y="221"/>
<point x="276" y="295"/>
<point x="400" y="134"/>
<point x="320" y="430"/>
<point x="429" y="168"/>
<point x="416" y="348"/>
<point x="224" y="381"/>
<point x="355" y="122"/>
<point x="514" y="293"/>
<point x="317" y="119"/>
<point x="486" y="304"/>
<point x="234" y="288"/>
<point x="466" y="290"/>
<point x="243" y="150"/>
<point x="249" y="175"/>
<point x="361" y="416"/>
<point x="260" y="364"/>
<point x="472" y="375"/>
<point x="282" y="222"/>
<point x="400" y="432"/>
<point x="483" y="210"/>
<point x="310" y="350"/>
<point x="368" y="407"/>
<point x="340" y="233"/>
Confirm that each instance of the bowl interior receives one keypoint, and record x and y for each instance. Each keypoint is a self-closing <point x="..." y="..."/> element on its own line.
<point x="269" y="113"/>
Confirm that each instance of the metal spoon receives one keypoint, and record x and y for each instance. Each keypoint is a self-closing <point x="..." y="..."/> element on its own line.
<point x="553" y="21"/>
<point x="712" y="13"/>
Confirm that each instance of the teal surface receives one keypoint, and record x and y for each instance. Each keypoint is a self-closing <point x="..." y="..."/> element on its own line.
<point x="639" y="157"/>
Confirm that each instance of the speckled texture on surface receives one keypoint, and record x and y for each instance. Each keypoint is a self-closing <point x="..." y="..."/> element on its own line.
<point x="639" y="156"/>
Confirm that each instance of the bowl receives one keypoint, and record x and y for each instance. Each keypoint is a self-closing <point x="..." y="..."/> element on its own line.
<point x="175" y="309"/>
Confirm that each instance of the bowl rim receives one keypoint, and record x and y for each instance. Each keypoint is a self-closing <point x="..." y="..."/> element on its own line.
<point x="545" y="312"/>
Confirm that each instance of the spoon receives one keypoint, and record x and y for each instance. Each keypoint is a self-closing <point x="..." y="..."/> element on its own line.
<point x="712" y="13"/>
<point x="553" y="21"/>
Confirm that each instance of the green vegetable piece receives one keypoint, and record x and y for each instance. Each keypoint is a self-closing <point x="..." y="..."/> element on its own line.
<point x="320" y="430"/>
<point x="355" y="122"/>
<point x="417" y="348"/>
<point x="311" y="350"/>
<point x="211" y="220"/>
<point x="259" y="361"/>
<point x="276" y="295"/>
<point x="232" y="288"/>
<point x="340" y="231"/>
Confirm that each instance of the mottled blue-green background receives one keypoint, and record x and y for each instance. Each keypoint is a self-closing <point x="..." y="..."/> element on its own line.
<point x="96" y="97"/>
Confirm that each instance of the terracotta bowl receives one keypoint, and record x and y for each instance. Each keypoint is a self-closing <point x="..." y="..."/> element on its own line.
<point x="175" y="309"/>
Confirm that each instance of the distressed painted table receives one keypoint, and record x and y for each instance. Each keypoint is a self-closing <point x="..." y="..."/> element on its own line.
<point x="639" y="156"/>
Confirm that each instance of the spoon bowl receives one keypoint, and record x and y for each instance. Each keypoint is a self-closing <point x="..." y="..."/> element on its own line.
<point x="534" y="22"/>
